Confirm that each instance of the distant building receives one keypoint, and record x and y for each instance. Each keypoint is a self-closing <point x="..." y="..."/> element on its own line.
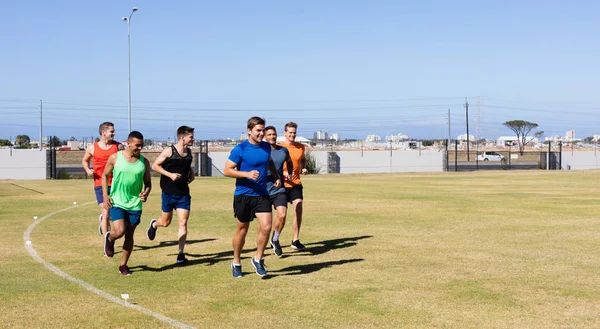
<point x="336" y="137"/>
<point x="320" y="135"/>
<point x="513" y="141"/>
<point x="373" y="138"/>
<point x="396" y="138"/>
<point x="243" y="136"/>
<point x="568" y="137"/>
<point x="75" y="145"/>
<point x="299" y="139"/>
<point x="463" y="138"/>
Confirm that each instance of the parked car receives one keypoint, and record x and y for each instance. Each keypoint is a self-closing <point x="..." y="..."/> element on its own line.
<point x="490" y="156"/>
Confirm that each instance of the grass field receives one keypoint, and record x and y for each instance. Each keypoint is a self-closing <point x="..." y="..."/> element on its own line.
<point x="462" y="250"/>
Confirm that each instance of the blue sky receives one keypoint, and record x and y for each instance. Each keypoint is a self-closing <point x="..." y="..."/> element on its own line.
<point x="352" y="67"/>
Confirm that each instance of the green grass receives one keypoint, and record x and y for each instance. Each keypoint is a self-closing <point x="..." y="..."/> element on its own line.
<point x="463" y="250"/>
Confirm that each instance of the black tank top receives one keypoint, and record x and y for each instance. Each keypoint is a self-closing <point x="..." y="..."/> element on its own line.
<point x="177" y="164"/>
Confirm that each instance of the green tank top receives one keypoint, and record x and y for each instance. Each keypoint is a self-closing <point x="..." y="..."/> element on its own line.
<point x="128" y="182"/>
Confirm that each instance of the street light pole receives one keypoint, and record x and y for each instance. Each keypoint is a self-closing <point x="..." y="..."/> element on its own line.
<point x="128" y="20"/>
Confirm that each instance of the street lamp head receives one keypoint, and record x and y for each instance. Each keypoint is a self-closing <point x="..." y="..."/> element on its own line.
<point x="124" y="19"/>
<point x="135" y="9"/>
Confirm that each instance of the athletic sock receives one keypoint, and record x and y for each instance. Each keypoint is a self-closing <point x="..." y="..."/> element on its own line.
<point x="275" y="236"/>
<point x="234" y="264"/>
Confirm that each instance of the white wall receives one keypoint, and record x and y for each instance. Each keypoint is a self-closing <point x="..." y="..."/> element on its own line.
<point x="369" y="161"/>
<point x="398" y="161"/>
<point x="580" y="160"/>
<point x="22" y="164"/>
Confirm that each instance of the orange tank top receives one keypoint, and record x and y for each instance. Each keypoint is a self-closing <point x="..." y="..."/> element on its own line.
<point x="99" y="162"/>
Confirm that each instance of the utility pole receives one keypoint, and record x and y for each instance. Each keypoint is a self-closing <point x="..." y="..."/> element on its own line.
<point x="41" y="125"/>
<point x="449" y="135"/>
<point x="478" y="116"/>
<point x="467" y="114"/>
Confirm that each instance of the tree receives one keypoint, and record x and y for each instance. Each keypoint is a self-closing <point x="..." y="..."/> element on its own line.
<point x="54" y="141"/>
<point x="5" y="142"/>
<point x="590" y="140"/>
<point x="147" y="142"/>
<point x="22" y="141"/>
<point x="522" y="128"/>
<point x="427" y="142"/>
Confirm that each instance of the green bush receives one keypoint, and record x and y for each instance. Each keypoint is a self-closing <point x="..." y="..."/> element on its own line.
<point x="312" y="165"/>
<point x="63" y="174"/>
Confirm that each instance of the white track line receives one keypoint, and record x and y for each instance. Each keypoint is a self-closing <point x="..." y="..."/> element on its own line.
<point x="87" y="286"/>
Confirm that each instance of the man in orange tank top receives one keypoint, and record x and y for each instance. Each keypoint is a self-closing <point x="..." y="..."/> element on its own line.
<point x="293" y="186"/>
<point x="99" y="152"/>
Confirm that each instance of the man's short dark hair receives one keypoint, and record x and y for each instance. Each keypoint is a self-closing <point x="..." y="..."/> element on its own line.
<point x="135" y="134"/>
<point x="270" y="128"/>
<point x="184" y="130"/>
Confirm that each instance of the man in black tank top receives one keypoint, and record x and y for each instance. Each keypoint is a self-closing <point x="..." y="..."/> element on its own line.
<point x="174" y="165"/>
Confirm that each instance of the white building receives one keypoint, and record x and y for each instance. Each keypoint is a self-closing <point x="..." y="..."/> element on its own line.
<point x="506" y="141"/>
<point x="568" y="137"/>
<point x="336" y="137"/>
<point x="320" y="135"/>
<point x="463" y="138"/>
<point x="75" y="145"/>
<point x="243" y="136"/>
<point x="299" y="139"/>
<point x="396" y="138"/>
<point x="373" y="138"/>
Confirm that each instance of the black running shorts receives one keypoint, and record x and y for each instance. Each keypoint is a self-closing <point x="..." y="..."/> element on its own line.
<point x="294" y="193"/>
<point x="279" y="200"/>
<point x="246" y="207"/>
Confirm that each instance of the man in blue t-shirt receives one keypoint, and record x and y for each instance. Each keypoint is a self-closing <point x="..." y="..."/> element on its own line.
<point x="249" y="163"/>
<point x="279" y="155"/>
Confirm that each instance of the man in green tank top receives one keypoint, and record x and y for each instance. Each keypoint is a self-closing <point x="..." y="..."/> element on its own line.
<point x="131" y="185"/>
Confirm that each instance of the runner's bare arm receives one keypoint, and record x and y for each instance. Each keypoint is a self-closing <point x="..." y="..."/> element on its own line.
<point x="274" y="172"/>
<point x="147" y="182"/>
<point x="191" y="175"/>
<point x="231" y="170"/>
<point x="303" y="169"/>
<point x="85" y="162"/>
<point x="289" y="166"/>
<point x="108" y="169"/>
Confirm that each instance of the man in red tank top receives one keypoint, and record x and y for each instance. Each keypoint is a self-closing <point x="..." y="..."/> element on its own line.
<point x="99" y="152"/>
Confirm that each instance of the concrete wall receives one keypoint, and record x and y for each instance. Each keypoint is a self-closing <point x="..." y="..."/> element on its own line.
<point x="397" y="161"/>
<point x="218" y="162"/>
<point x="22" y="164"/>
<point x="580" y="160"/>
<point x="368" y="161"/>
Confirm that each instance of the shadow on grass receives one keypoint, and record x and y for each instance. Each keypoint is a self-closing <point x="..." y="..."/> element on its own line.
<point x="172" y="243"/>
<point x="318" y="248"/>
<point x="193" y="259"/>
<point x="309" y="268"/>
